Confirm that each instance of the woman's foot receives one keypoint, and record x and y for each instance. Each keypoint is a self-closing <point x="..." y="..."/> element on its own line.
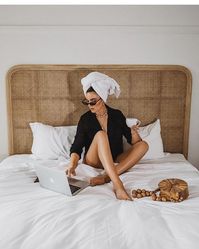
<point x="99" y="180"/>
<point x="121" y="194"/>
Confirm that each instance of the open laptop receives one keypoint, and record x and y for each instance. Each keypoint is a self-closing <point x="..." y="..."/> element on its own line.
<point x="57" y="180"/>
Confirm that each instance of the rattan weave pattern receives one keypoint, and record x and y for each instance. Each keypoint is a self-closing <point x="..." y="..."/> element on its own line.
<point x="52" y="94"/>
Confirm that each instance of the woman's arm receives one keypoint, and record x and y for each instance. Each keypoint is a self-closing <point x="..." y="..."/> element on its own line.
<point x="131" y="134"/>
<point x="76" y="148"/>
<point x="79" y="140"/>
<point x="135" y="135"/>
<point x="74" y="158"/>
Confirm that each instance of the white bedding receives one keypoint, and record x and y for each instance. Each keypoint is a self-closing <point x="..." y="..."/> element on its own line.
<point x="33" y="217"/>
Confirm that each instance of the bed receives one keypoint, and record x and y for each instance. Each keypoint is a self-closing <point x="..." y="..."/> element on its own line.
<point x="34" y="217"/>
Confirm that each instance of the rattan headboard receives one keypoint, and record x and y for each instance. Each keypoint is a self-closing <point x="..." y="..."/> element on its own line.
<point x="51" y="94"/>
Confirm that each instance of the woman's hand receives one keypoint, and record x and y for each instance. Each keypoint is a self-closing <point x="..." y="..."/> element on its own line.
<point x="134" y="129"/>
<point x="135" y="135"/>
<point x="70" y="171"/>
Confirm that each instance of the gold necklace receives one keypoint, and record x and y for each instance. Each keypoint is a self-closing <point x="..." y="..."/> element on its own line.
<point x="101" y="115"/>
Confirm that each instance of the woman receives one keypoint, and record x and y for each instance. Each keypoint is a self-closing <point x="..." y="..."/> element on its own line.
<point x="100" y="131"/>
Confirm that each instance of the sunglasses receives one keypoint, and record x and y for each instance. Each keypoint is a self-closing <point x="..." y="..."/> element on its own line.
<point x="92" y="102"/>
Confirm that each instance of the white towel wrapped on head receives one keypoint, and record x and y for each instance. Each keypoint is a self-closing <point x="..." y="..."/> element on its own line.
<point x="102" y="84"/>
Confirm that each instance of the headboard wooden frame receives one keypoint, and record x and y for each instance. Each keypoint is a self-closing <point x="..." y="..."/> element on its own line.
<point x="51" y="94"/>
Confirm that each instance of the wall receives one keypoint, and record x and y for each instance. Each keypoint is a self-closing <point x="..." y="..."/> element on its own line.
<point x="101" y="35"/>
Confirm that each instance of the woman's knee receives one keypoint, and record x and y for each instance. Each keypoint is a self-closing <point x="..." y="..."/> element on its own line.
<point x="100" y="134"/>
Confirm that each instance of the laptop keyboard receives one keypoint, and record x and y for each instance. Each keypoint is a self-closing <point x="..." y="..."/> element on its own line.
<point x="73" y="188"/>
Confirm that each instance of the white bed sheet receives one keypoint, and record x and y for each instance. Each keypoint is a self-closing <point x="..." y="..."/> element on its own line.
<point x="34" y="217"/>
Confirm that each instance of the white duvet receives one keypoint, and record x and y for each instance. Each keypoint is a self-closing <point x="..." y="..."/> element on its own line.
<point x="32" y="217"/>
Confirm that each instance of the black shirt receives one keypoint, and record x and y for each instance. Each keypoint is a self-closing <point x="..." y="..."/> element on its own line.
<point x="88" y="126"/>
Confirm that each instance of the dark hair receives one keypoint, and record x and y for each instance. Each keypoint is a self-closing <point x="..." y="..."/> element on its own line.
<point x="90" y="89"/>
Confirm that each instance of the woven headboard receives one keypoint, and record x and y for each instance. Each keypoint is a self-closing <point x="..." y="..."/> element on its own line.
<point x="51" y="94"/>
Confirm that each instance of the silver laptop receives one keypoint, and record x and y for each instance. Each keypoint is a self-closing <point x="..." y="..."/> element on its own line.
<point x="57" y="180"/>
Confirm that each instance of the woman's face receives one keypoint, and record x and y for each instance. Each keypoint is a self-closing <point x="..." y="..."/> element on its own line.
<point x="93" y="96"/>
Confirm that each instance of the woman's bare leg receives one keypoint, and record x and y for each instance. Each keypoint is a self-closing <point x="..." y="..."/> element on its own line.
<point x="99" y="151"/>
<point x="129" y="158"/>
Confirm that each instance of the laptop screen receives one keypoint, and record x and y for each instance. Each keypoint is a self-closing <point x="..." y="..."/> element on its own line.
<point x="73" y="188"/>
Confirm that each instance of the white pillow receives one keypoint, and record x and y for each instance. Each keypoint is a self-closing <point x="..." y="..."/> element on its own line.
<point x="51" y="142"/>
<point x="151" y="134"/>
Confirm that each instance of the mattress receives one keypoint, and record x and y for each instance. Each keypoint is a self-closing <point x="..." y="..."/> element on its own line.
<point x="34" y="217"/>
